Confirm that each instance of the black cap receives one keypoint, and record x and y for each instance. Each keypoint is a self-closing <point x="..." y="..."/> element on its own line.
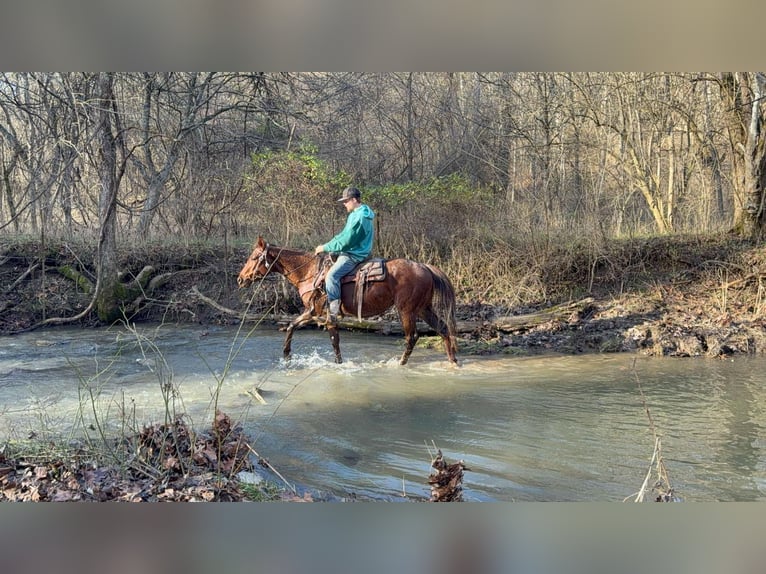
<point x="350" y="193"/>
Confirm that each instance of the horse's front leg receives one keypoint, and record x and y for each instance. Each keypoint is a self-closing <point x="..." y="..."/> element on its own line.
<point x="300" y="321"/>
<point x="335" y="339"/>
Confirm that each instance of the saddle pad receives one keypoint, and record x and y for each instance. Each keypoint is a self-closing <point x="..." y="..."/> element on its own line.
<point x="372" y="270"/>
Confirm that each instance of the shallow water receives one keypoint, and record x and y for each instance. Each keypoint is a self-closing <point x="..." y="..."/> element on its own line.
<point x="553" y="428"/>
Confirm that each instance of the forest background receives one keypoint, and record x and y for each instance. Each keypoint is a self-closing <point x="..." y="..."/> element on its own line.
<point x="513" y="183"/>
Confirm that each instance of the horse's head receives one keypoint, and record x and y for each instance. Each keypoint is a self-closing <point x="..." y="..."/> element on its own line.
<point x="256" y="266"/>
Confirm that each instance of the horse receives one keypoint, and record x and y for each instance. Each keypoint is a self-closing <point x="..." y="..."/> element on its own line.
<point x="417" y="290"/>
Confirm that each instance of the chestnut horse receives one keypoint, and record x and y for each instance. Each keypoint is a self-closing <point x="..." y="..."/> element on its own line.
<point x="416" y="290"/>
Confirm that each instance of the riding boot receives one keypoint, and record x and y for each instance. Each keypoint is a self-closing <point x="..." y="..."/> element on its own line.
<point x="334" y="311"/>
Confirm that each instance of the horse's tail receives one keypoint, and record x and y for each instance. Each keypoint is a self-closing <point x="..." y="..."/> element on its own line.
<point x="443" y="301"/>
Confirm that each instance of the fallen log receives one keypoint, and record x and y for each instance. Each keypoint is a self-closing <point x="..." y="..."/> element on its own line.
<point x="225" y="310"/>
<point x="350" y="323"/>
<point x="573" y="310"/>
<point x="563" y="312"/>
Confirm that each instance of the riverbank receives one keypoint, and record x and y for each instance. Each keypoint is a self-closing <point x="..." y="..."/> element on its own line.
<point x="669" y="296"/>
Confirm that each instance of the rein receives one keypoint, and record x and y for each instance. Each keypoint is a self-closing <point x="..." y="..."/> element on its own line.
<point x="264" y="258"/>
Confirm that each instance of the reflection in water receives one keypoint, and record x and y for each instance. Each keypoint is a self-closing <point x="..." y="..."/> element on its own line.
<point x="740" y="442"/>
<point x="541" y="428"/>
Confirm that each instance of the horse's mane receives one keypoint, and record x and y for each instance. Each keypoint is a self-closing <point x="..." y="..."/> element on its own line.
<point x="285" y="250"/>
<point x="288" y="250"/>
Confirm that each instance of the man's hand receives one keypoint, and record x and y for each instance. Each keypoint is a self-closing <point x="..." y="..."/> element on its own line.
<point x="319" y="249"/>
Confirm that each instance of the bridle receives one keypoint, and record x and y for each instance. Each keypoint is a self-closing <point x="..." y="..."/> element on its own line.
<point x="263" y="258"/>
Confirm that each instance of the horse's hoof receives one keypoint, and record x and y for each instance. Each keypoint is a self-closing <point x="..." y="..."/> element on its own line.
<point x="338" y="360"/>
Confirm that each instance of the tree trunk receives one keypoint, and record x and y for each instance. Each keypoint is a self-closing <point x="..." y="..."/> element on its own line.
<point x="410" y="131"/>
<point x="755" y="160"/>
<point x="745" y="93"/>
<point x="10" y="201"/>
<point x="109" y="289"/>
<point x="157" y="179"/>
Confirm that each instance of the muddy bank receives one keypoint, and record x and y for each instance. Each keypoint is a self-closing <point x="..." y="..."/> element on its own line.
<point x="668" y="296"/>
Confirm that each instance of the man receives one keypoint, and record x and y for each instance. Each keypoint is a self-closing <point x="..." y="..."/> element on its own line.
<point x="352" y="245"/>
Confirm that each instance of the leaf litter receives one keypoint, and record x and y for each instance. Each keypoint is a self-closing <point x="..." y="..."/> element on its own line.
<point x="163" y="462"/>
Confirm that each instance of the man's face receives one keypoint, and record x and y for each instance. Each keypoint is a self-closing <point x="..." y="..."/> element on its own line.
<point x="349" y="204"/>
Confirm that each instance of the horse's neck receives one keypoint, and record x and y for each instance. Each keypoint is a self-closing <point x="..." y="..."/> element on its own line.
<point x="296" y="266"/>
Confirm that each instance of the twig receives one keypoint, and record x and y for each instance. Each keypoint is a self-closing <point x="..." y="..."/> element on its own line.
<point x="82" y="265"/>
<point x="641" y="493"/>
<point x="744" y="279"/>
<point x="22" y="277"/>
<point x="662" y="473"/>
<point x="256" y="395"/>
<point x="266" y="463"/>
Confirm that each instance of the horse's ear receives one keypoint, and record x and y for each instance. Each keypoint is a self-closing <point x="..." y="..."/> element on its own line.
<point x="261" y="243"/>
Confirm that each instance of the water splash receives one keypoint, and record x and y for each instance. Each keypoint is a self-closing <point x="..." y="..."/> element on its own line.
<point x="319" y="359"/>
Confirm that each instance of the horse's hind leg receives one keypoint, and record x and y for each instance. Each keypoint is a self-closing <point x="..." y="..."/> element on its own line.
<point x="450" y="346"/>
<point x="409" y="324"/>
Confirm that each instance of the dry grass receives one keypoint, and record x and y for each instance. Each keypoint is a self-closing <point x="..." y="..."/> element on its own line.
<point x="507" y="274"/>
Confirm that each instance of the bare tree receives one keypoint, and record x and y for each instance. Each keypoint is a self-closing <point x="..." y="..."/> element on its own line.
<point x="107" y="132"/>
<point x="43" y="132"/>
<point x="12" y="152"/>
<point x="745" y="97"/>
<point x="619" y="151"/>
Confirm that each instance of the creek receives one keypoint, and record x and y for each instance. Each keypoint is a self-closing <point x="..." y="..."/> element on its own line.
<point x="541" y="428"/>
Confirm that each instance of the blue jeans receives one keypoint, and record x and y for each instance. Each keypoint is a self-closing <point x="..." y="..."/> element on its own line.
<point x="343" y="264"/>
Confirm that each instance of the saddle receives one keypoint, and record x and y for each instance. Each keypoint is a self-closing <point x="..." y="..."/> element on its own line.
<point x="365" y="272"/>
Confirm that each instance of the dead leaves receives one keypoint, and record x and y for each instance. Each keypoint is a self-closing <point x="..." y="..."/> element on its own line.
<point x="447" y="482"/>
<point x="164" y="462"/>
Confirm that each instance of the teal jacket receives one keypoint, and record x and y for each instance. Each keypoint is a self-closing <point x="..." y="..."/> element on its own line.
<point x="356" y="237"/>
